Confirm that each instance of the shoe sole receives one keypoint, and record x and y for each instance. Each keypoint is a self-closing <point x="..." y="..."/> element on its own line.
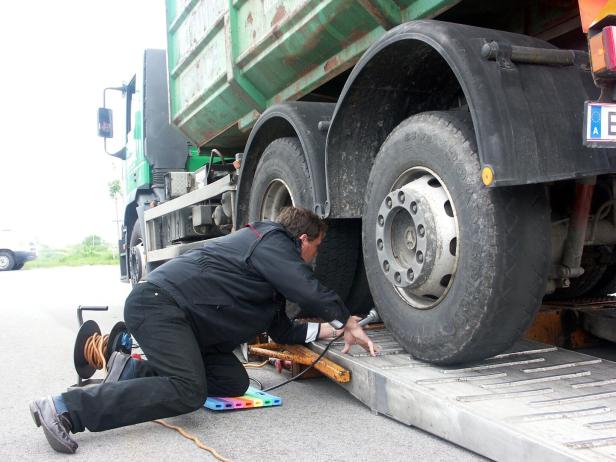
<point x="53" y="442"/>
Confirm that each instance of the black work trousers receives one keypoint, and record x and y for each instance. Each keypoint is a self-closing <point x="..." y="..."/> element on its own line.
<point x="175" y="379"/>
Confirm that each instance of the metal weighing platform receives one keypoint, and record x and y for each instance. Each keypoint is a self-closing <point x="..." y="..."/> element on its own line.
<point x="535" y="402"/>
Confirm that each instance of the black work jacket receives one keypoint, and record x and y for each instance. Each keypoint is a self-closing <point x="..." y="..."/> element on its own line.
<point x="231" y="287"/>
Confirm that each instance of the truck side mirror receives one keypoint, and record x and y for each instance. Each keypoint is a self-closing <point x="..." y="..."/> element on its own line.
<point x="105" y="122"/>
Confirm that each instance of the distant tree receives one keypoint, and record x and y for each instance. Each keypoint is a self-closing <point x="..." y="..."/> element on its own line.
<point x="93" y="241"/>
<point x="115" y="189"/>
<point x="92" y="250"/>
<point x="91" y="245"/>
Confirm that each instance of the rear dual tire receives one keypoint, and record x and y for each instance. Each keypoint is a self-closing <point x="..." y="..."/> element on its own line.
<point x="457" y="270"/>
<point x="606" y="284"/>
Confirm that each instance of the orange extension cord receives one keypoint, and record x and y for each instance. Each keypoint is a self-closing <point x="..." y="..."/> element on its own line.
<point x="194" y="439"/>
<point x="257" y="365"/>
<point x="93" y="353"/>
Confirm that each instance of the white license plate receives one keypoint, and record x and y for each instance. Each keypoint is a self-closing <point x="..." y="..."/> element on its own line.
<point x="599" y="124"/>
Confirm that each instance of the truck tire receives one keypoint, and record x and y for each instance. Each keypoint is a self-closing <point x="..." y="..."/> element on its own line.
<point x="606" y="285"/>
<point x="7" y="261"/>
<point x="136" y="264"/>
<point x="336" y="262"/>
<point x="359" y="302"/>
<point x="282" y="179"/>
<point x="457" y="270"/>
<point x="19" y="266"/>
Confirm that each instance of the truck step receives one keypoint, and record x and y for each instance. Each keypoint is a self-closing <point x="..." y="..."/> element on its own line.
<point x="534" y="402"/>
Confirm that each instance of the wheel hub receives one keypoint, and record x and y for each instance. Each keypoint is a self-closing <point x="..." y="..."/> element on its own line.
<point x="276" y="197"/>
<point x="137" y="261"/>
<point x="411" y="238"/>
<point x="416" y="240"/>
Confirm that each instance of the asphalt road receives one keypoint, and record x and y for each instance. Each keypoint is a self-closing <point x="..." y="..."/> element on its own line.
<point x="318" y="420"/>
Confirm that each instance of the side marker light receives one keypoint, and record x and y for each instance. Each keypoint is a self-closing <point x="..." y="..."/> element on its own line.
<point x="487" y="175"/>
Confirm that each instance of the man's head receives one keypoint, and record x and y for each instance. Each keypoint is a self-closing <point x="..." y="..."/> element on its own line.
<point x="306" y="227"/>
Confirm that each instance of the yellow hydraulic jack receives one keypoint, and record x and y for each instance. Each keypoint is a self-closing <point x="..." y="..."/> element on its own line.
<point x="298" y="354"/>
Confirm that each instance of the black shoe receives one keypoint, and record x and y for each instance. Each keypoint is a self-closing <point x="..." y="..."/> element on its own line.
<point x="115" y="366"/>
<point x="55" y="426"/>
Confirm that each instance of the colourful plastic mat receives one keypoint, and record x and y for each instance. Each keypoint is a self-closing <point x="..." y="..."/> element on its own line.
<point x="252" y="399"/>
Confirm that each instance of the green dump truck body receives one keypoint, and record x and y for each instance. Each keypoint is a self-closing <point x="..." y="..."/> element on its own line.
<point x="229" y="60"/>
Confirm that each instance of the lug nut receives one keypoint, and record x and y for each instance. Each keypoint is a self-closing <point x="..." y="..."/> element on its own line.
<point x="397" y="278"/>
<point x="401" y="196"/>
<point x="420" y="257"/>
<point x="414" y="207"/>
<point x="410" y="275"/>
<point x="421" y="230"/>
<point x="379" y="244"/>
<point x="388" y="201"/>
<point x="381" y="220"/>
<point x="386" y="266"/>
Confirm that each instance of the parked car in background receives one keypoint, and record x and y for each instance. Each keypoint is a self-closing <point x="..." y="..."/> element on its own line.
<point x="15" y="250"/>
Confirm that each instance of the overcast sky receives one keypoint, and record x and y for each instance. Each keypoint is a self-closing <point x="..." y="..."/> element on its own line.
<point x="57" y="56"/>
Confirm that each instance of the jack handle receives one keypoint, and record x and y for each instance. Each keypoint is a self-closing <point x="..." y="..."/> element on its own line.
<point x="81" y="308"/>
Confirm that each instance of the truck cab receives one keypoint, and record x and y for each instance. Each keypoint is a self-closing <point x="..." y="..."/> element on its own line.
<point x="150" y="148"/>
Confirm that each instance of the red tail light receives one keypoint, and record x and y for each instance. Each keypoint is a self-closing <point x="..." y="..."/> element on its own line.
<point x="602" y="47"/>
<point x="609" y="45"/>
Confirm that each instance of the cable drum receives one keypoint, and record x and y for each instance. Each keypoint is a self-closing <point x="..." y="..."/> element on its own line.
<point x="92" y="350"/>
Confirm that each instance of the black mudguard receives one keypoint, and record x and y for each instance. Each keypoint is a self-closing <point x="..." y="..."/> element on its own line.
<point x="298" y="119"/>
<point x="528" y="118"/>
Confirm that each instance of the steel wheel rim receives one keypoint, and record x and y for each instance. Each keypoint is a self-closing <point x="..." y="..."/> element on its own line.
<point x="4" y="262"/>
<point x="277" y="196"/>
<point x="417" y="238"/>
<point x="137" y="260"/>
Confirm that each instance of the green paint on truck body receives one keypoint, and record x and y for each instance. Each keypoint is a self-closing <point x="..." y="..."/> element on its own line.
<point x="228" y="60"/>
<point x="138" y="168"/>
<point x="138" y="172"/>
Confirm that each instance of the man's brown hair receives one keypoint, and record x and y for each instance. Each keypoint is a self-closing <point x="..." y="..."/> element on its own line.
<point x="300" y="221"/>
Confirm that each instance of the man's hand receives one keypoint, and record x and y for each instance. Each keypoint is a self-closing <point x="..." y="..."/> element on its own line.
<point x="328" y="331"/>
<point x="354" y="334"/>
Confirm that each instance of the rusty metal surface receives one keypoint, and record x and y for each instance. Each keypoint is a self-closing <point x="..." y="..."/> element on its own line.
<point x="582" y="302"/>
<point x="561" y="327"/>
<point x="577" y="323"/>
<point x="230" y="60"/>
<point x="301" y="355"/>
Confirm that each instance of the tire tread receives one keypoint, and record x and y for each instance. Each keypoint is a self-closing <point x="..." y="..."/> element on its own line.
<point x="512" y="254"/>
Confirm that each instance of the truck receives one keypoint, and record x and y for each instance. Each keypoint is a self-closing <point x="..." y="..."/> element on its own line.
<point x="458" y="150"/>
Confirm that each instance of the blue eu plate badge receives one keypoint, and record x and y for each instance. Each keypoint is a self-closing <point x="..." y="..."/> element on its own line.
<point x="599" y="124"/>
